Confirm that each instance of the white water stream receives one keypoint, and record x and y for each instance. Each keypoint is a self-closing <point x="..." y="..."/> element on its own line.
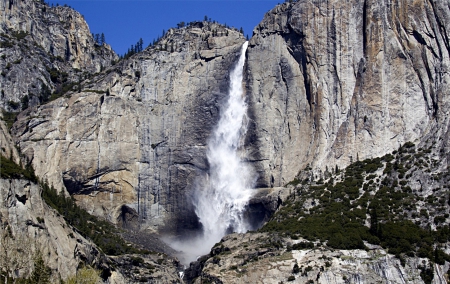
<point x="220" y="200"/>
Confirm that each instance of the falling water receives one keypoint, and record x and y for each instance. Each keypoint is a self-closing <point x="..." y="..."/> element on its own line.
<point x="220" y="200"/>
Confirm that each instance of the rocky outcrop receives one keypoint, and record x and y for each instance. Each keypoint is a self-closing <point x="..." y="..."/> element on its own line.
<point x="145" y="124"/>
<point x="28" y="225"/>
<point x="153" y="268"/>
<point x="26" y="222"/>
<point x="264" y="203"/>
<point x="7" y="144"/>
<point x="262" y="258"/>
<point x="332" y="81"/>
<point x="45" y="50"/>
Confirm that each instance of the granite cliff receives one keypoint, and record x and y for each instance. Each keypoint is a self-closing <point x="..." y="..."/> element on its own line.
<point x="46" y="51"/>
<point x="146" y="121"/>
<point x="327" y="83"/>
<point x="331" y="81"/>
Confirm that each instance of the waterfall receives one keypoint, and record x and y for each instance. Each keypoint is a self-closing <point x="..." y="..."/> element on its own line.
<point x="222" y="200"/>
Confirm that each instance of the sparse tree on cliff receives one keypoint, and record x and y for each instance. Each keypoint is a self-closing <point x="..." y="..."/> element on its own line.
<point x="97" y="38"/>
<point x="102" y="39"/>
<point x="141" y="44"/>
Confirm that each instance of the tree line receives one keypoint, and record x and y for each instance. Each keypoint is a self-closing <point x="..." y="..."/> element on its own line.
<point x="139" y="46"/>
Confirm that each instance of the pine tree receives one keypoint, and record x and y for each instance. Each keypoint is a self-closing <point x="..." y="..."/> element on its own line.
<point x="102" y="39"/>
<point x="141" y="44"/>
<point x="41" y="273"/>
<point x="296" y="269"/>
<point x="97" y="38"/>
<point x="374" y="225"/>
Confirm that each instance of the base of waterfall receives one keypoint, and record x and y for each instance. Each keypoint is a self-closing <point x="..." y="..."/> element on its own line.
<point x="261" y="206"/>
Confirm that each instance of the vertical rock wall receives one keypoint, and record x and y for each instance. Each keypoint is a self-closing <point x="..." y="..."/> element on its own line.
<point x="333" y="81"/>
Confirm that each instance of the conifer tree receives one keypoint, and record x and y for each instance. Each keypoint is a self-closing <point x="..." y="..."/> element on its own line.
<point x="97" y="38"/>
<point x="141" y="44"/>
<point x="102" y="39"/>
<point x="41" y="273"/>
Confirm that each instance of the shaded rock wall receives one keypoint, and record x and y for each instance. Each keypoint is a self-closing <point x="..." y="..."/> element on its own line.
<point x="7" y="144"/>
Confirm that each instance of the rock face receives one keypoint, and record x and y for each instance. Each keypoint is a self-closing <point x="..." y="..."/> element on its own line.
<point x="7" y="144"/>
<point x="145" y="123"/>
<point x="253" y="258"/>
<point x="327" y="82"/>
<point x="44" y="50"/>
<point x="34" y="225"/>
<point x="28" y="224"/>
<point x="332" y="81"/>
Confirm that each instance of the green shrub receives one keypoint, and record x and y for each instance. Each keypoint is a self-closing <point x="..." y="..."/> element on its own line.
<point x="19" y="35"/>
<point x="137" y="261"/>
<point x="85" y="275"/>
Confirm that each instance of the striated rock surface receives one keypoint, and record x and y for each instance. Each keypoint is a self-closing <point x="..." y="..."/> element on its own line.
<point x="332" y="81"/>
<point x="44" y="50"/>
<point x="144" y="125"/>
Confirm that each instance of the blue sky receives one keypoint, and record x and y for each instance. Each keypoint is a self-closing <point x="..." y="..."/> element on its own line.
<point x="124" y="22"/>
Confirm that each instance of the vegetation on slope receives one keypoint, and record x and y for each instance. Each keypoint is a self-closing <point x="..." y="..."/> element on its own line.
<point x="101" y="232"/>
<point x="11" y="170"/>
<point x="104" y="234"/>
<point x="371" y="201"/>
